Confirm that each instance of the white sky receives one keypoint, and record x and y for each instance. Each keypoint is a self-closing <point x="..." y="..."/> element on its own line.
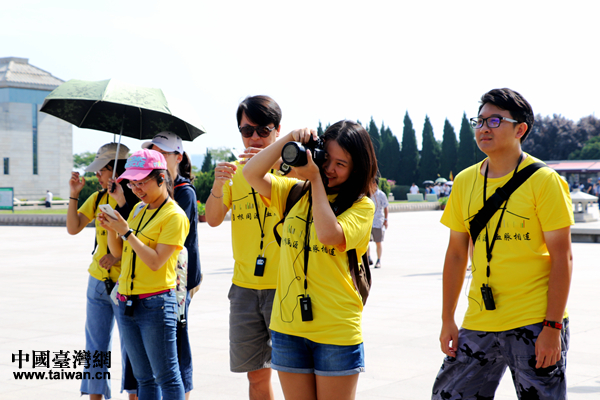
<point x="320" y="60"/>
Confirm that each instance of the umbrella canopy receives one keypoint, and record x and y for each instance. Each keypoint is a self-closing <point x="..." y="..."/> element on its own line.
<point x="450" y="183"/>
<point x="118" y="108"/>
<point x="441" y="180"/>
<point x="428" y="183"/>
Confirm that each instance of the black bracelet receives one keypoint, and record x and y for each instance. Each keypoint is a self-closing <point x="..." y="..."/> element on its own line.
<point x="73" y="198"/>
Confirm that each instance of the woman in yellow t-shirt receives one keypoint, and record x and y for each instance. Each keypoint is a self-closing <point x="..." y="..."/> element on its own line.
<point x="149" y="242"/>
<point x="316" y="319"/>
<point x="105" y="267"/>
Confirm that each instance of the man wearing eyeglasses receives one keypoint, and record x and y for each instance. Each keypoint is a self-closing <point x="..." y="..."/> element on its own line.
<point x="521" y="267"/>
<point x="255" y="250"/>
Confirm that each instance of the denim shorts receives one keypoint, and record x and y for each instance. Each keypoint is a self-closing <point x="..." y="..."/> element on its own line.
<point x="302" y="356"/>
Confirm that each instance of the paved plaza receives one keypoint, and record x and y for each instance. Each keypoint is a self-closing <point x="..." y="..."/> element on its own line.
<point x="44" y="276"/>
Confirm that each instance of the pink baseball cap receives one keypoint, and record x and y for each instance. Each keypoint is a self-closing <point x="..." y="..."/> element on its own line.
<point x="141" y="163"/>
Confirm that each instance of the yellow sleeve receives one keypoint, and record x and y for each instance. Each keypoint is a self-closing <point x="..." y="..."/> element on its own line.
<point x="554" y="205"/>
<point x="356" y="223"/>
<point x="87" y="208"/>
<point x="175" y="230"/>
<point x="280" y="188"/>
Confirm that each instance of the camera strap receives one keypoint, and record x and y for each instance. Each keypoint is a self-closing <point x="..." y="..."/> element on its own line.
<point x="134" y="255"/>
<point x="307" y="239"/>
<point x="264" y="223"/>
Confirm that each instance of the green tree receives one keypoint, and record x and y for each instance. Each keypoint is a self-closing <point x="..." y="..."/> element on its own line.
<point x="467" y="148"/>
<point x="320" y="130"/>
<point x="220" y="154"/>
<point x="449" y="151"/>
<point x="389" y="158"/>
<point x="82" y="160"/>
<point x="207" y="164"/>
<point x="409" y="154"/>
<point x="429" y="165"/>
<point x="203" y="183"/>
<point x="590" y="151"/>
<point x="375" y="137"/>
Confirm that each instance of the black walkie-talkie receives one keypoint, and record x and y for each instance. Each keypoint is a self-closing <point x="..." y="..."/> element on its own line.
<point x="306" y="308"/>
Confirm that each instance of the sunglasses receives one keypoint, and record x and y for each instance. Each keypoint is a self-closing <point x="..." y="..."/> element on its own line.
<point x="138" y="185"/>
<point x="262" y="131"/>
<point x="492" y="122"/>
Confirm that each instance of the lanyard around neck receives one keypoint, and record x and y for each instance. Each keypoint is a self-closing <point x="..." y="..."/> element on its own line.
<point x="307" y="239"/>
<point x="260" y="225"/>
<point x="489" y="248"/>
<point x="138" y="230"/>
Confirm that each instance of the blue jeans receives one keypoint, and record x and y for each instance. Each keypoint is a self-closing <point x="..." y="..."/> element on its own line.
<point x="184" y="351"/>
<point x="99" y="323"/>
<point x="149" y="337"/>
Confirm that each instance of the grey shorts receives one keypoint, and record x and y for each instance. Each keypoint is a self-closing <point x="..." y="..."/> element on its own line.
<point x="377" y="235"/>
<point x="249" y="334"/>
<point x="482" y="358"/>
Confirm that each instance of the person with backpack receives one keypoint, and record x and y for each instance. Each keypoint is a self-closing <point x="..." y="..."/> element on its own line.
<point x="149" y="241"/>
<point x="180" y="168"/>
<point x="105" y="267"/>
<point x="511" y="215"/>
<point x="316" y="319"/>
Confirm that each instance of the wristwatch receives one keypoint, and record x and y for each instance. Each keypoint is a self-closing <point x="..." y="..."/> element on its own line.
<point x="553" y="324"/>
<point x="125" y="236"/>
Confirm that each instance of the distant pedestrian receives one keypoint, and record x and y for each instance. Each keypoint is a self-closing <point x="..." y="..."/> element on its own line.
<point x="414" y="189"/>
<point x="380" y="221"/>
<point x="48" y="199"/>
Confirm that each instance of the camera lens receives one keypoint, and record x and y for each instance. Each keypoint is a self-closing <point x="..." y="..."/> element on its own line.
<point x="293" y="154"/>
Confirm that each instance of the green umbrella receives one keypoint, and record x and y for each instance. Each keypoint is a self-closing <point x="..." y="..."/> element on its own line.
<point x="118" y="108"/>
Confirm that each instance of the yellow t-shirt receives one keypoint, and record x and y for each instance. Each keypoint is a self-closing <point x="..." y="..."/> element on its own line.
<point x="87" y="209"/>
<point x="520" y="266"/>
<point x="336" y="305"/>
<point x="246" y="234"/>
<point x="171" y="227"/>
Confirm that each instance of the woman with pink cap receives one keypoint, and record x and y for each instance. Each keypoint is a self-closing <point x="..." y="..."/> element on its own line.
<point x="149" y="241"/>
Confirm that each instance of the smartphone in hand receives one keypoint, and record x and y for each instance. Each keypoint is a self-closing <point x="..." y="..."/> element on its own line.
<point x="107" y="209"/>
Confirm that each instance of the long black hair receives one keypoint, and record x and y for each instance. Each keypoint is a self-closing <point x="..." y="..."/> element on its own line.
<point x="355" y="140"/>
<point x="130" y="198"/>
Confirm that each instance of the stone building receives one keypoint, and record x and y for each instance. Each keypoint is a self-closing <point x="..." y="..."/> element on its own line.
<point x="36" y="149"/>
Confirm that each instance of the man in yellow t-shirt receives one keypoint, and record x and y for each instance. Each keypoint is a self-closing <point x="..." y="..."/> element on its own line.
<point x="521" y="265"/>
<point x="255" y="250"/>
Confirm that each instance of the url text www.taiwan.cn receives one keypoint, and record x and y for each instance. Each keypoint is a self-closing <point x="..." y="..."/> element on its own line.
<point x="61" y="364"/>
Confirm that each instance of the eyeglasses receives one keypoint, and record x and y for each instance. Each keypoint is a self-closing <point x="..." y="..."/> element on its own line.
<point x="102" y="170"/>
<point x="492" y="122"/>
<point x="263" y="131"/>
<point x="138" y="185"/>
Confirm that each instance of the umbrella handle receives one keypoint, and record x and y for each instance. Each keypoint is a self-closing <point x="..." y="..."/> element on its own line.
<point x="114" y="185"/>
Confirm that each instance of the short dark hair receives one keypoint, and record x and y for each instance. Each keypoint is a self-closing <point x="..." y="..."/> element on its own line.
<point x="355" y="140"/>
<point x="262" y="110"/>
<point x="514" y="103"/>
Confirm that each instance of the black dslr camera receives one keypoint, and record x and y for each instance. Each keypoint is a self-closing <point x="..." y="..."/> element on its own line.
<point x="294" y="153"/>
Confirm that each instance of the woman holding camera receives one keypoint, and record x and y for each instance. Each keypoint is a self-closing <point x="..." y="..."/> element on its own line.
<point x="105" y="267"/>
<point x="316" y="319"/>
<point x="149" y="241"/>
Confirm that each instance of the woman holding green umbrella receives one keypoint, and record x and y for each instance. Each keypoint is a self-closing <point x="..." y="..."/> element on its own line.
<point x="105" y="267"/>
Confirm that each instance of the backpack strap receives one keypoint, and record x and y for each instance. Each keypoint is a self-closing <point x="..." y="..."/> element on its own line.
<point x="502" y="194"/>
<point x="100" y="194"/>
<point x="295" y="194"/>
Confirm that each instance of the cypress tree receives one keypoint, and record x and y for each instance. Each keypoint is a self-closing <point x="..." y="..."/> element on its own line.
<point x="375" y="138"/>
<point x="467" y="147"/>
<point x="320" y="130"/>
<point x="409" y="154"/>
<point x="430" y="154"/>
<point x="390" y="156"/>
<point x="449" y="151"/>
<point x="207" y="164"/>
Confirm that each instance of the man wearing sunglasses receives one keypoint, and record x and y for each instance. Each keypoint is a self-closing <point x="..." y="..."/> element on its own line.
<point x="255" y="250"/>
<point x="521" y="266"/>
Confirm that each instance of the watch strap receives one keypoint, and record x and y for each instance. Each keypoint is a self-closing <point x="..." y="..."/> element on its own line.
<point x="553" y="324"/>
<point x="125" y="236"/>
